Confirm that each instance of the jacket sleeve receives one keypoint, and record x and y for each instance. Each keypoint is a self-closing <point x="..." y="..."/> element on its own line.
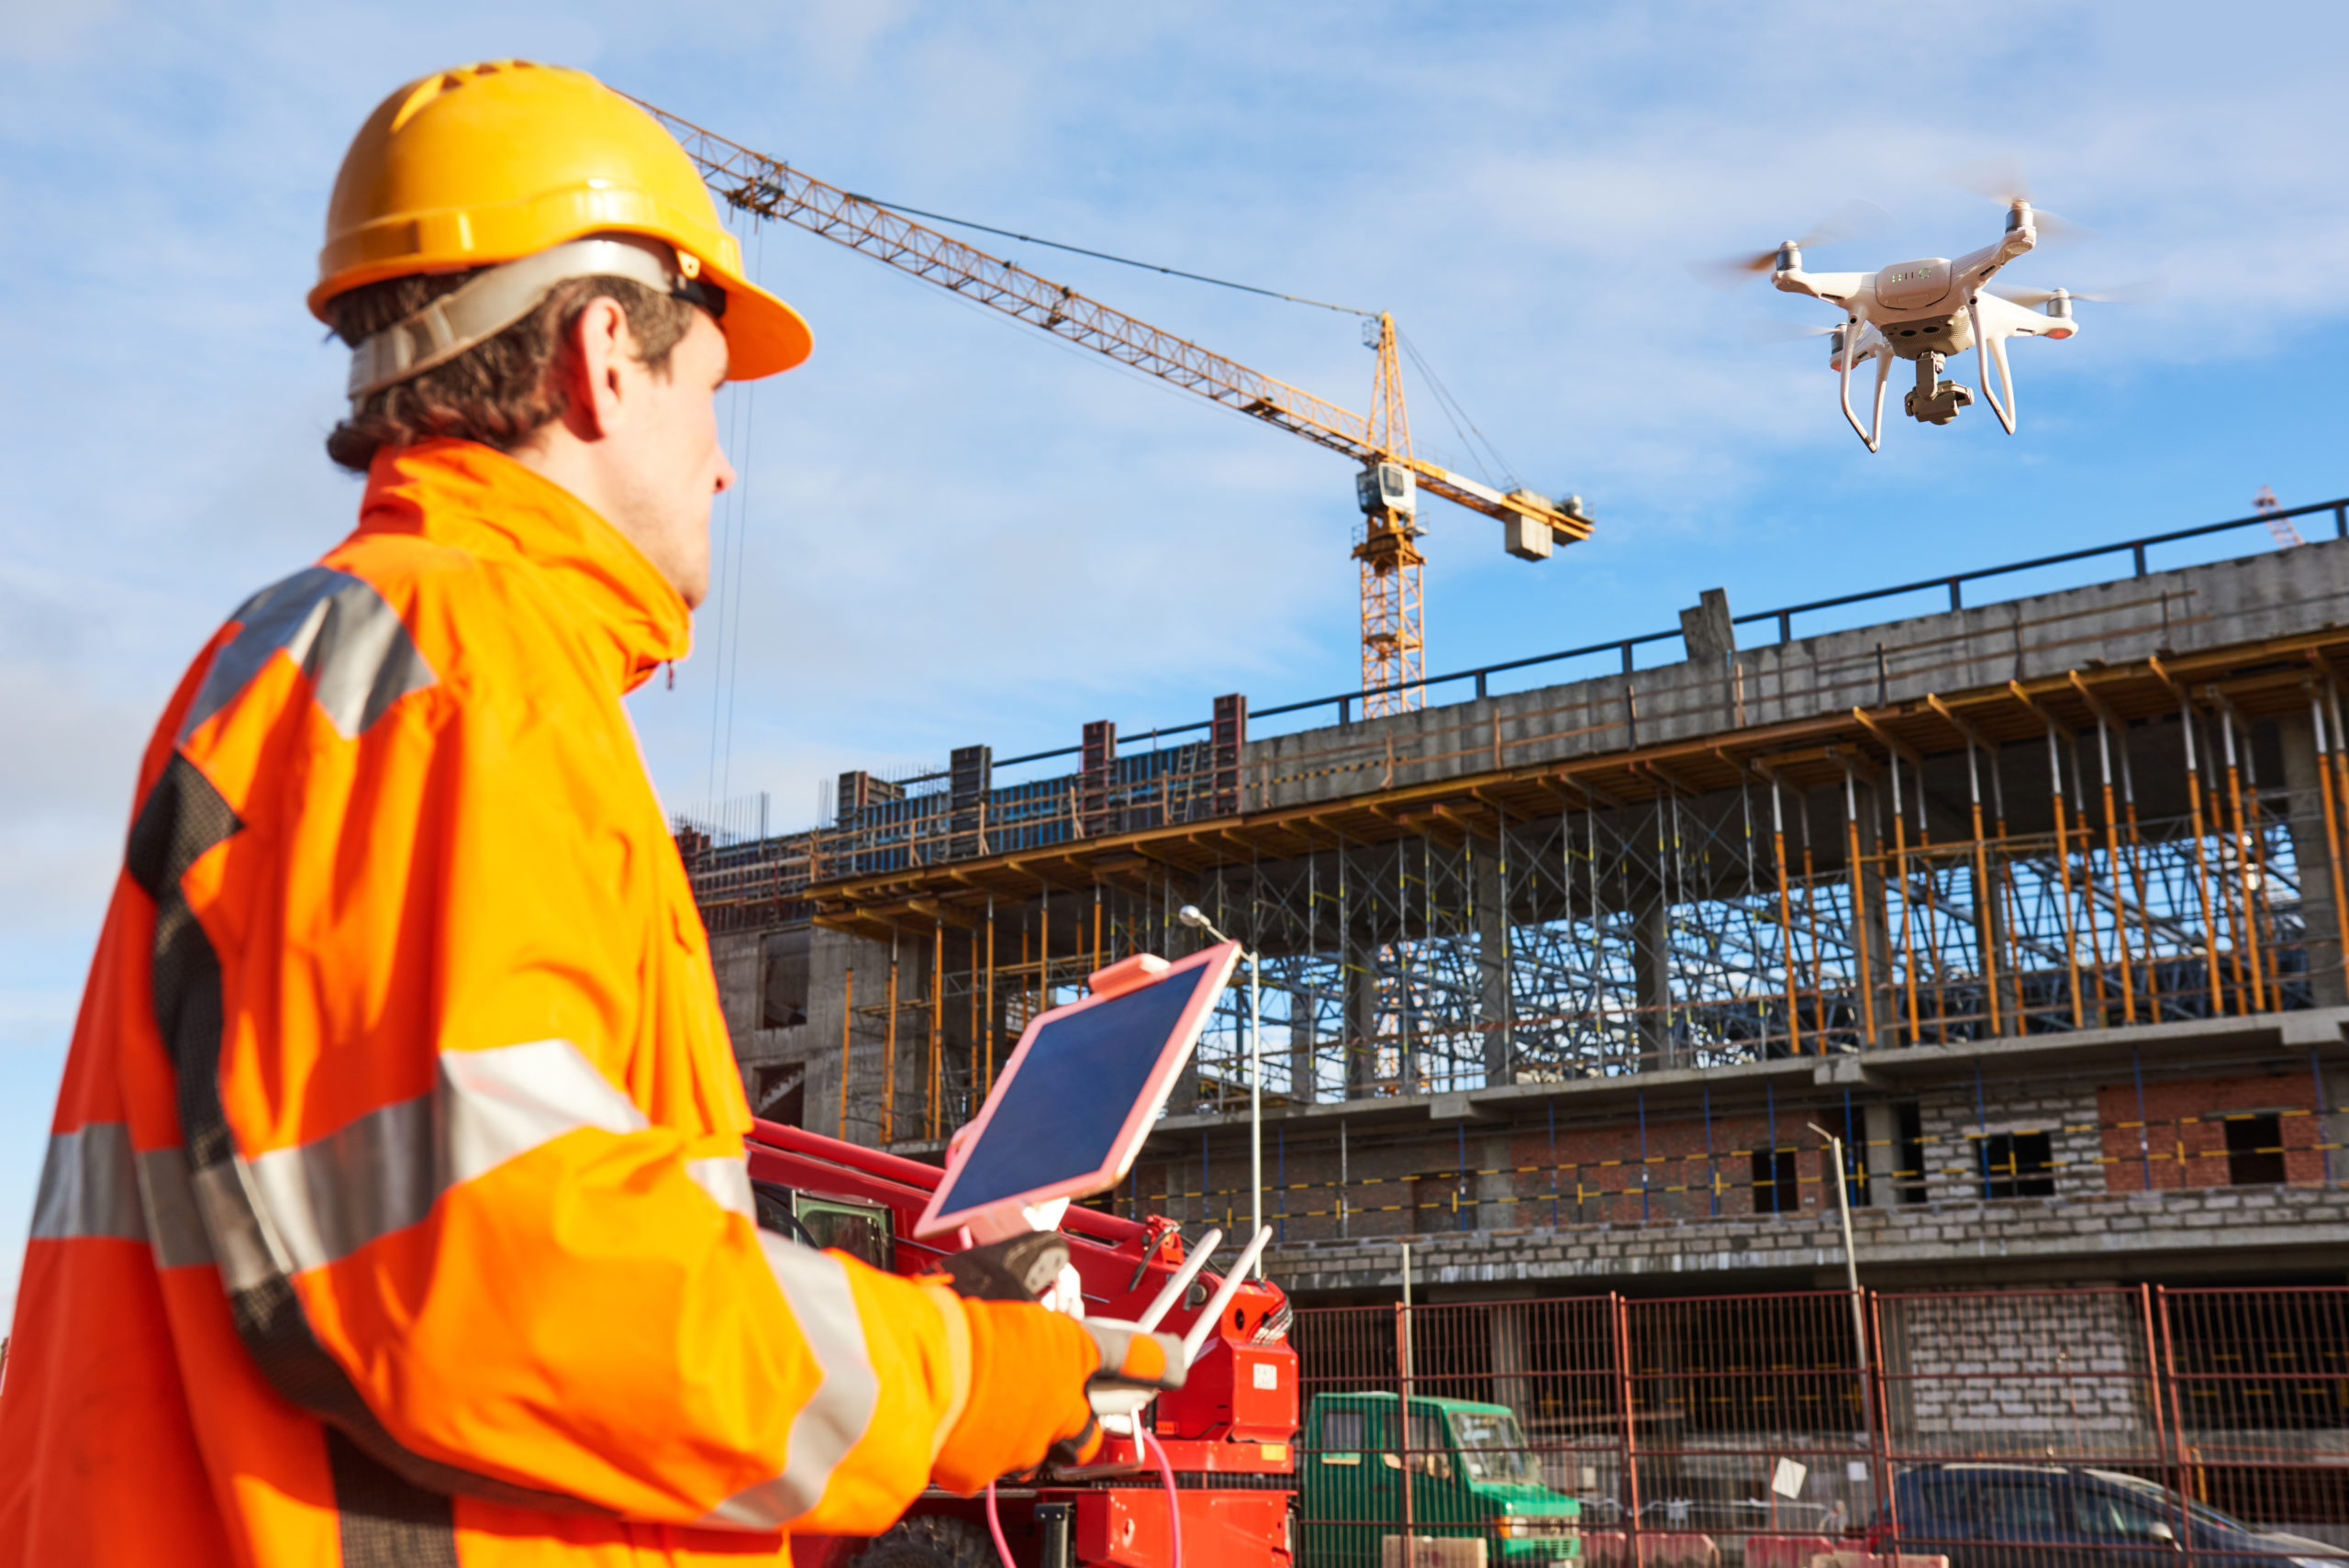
<point x="464" y="1127"/>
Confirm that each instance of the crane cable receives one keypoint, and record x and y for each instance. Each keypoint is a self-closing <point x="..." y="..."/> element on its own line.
<point x="1470" y="437"/>
<point x="1104" y="256"/>
<point x="1479" y="445"/>
<point x="733" y="528"/>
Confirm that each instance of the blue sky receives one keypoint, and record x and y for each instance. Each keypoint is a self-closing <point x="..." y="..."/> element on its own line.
<point x="955" y="530"/>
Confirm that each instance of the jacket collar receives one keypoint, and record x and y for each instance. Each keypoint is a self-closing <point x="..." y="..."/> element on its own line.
<point x="477" y="499"/>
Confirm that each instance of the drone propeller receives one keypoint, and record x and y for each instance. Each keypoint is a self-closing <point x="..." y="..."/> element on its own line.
<point x="1998" y="177"/>
<point x="2125" y="294"/>
<point x="1849" y="221"/>
<point x="2001" y="179"/>
<point x="1770" y="331"/>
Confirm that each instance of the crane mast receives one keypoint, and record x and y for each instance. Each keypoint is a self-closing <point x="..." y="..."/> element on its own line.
<point x="1394" y="613"/>
<point x="1393" y="635"/>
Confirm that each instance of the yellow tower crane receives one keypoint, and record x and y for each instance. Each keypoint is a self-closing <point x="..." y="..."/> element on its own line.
<point x="1394" y="639"/>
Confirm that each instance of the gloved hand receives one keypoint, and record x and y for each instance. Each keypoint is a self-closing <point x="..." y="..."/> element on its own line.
<point x="1028" y="1370"/>
<point x="1136" y="1367"/>
<point x="1036" y="1369"/>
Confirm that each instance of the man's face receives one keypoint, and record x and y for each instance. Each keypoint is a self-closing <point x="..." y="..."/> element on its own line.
<point x="676" y="466"/>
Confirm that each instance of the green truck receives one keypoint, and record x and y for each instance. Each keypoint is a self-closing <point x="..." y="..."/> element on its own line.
<point x="1471" y="1480"/>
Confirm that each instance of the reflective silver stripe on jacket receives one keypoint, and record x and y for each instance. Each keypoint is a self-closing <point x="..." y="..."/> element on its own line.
<point x="308" y="1204"/>
<point x="92" y="1185"/>
<point x="347" y="640"/>
<point x="726" y="1178"/>
<point x="305" y="1206"/>
<point x="174" y="1227"/>
<point x="839" y="1412"/>
<point x="89" y="1186"/>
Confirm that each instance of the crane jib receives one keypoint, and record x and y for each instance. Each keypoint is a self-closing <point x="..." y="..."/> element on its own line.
<point x="753" y="183"/>
<point x="1392" y="646"/>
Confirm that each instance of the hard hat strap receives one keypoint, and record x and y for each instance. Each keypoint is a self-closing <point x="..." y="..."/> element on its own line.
<point x="502" y="296"/>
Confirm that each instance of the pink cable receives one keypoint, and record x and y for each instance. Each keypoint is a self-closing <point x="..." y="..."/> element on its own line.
<point x="995" y="1529"/>
<point x="1151" y="1446"/>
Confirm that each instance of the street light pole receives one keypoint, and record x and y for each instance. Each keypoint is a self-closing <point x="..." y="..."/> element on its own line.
<point x="1192" y="916"/>
<point x="1859" y="1310"/>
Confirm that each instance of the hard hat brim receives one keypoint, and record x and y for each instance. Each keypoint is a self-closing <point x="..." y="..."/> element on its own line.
<point x="763" y="335"/>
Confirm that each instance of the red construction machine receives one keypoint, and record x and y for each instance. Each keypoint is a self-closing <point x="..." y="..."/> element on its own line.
<point x="1194" y="1467"/>
<point x="1226" y="1432"/>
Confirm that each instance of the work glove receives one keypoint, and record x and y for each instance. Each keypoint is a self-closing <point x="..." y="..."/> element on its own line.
<point x="1038" y="1376"/>
<point x="1028" y="1370"/>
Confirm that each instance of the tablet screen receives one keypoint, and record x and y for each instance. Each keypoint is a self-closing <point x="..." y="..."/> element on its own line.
<point x="1061" y="1112"/>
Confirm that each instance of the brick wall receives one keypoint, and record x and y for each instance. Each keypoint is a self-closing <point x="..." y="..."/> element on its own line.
<point x="2015" y="1372"/>
<point x="1955" y="1124"/>
<point x="2099" y="1236"/>
<point x="2179" y="1137"/>
<point x="1672" y="1170"/>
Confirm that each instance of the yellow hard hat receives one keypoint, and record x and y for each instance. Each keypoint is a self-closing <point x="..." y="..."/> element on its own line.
<point x="491" y="163"/>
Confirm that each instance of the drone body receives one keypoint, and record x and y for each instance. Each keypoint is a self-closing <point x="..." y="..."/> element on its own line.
<point x="1927" y="311"/>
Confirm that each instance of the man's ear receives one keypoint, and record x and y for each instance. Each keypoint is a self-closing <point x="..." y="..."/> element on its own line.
<point x="595" y="371"/>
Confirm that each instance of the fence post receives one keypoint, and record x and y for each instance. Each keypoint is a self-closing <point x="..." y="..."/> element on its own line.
<point x="1409" y="1555"/>
<point x="1880" y="1495"/>
<point x="2156" y="1400"/>
<point x="1620" y="1312"/>
<point x="2167" y="1381"/>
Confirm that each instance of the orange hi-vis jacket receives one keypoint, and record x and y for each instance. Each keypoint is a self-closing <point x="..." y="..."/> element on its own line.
<point x="395" y="1209"/>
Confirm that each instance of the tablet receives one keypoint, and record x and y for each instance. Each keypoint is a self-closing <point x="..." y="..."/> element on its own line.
<point x="1077" y="1097"/>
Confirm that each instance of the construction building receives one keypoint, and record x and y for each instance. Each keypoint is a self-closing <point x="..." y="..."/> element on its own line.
<point x="2035" y="904"/>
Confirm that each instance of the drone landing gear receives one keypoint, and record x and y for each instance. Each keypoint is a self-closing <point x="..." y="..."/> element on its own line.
<point x="1933" y="400"/>
<point x="1845" y="352"/>
<point x="1986" y="348"/>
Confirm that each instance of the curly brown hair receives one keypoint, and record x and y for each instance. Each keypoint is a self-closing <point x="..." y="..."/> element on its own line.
<point x="499" y="391"/>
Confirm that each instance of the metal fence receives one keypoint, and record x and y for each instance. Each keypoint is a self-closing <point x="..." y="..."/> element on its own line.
<point x="2109" y="1428"/>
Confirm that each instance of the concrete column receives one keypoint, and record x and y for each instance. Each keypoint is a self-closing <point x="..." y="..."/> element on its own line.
<point x="1890" y="1004"/>
<point x="1361" y="1020"/>
<point x="1492" y="964"/>
<point x="1303" y="1071"/>
<point x="1496" y="1185"/>
<point x="1883" y="1134"/>
<point x="1651" y="972"/>
<point x="2314" y="853"/>
<point x="1511" y="1386"/>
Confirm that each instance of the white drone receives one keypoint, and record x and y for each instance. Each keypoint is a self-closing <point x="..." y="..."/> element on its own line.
<point x="1927" y="310"/>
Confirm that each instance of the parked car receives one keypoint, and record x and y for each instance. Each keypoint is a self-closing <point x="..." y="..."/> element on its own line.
<point x="1470" y="1472"/>
<point x="2057" y="1515"/>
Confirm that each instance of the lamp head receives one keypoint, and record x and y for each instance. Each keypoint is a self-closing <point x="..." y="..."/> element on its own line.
<point x="1189" y="915"/>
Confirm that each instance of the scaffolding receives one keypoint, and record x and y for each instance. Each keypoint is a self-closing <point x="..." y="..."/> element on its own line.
<point x="1873" y="847"/>
<point x="2145" y="851"/>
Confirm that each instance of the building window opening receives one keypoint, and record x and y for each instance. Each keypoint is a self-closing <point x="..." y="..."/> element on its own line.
<point x="2017" y="1164"/>
<point x="779" y="1092"/>
<point x="2255" y="1150"/>
<point x="1909" y="1153"/>
<point x="783" y="982"/>
<point x="1443" y="1200"/>
<point x="1776" y="1187"/>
